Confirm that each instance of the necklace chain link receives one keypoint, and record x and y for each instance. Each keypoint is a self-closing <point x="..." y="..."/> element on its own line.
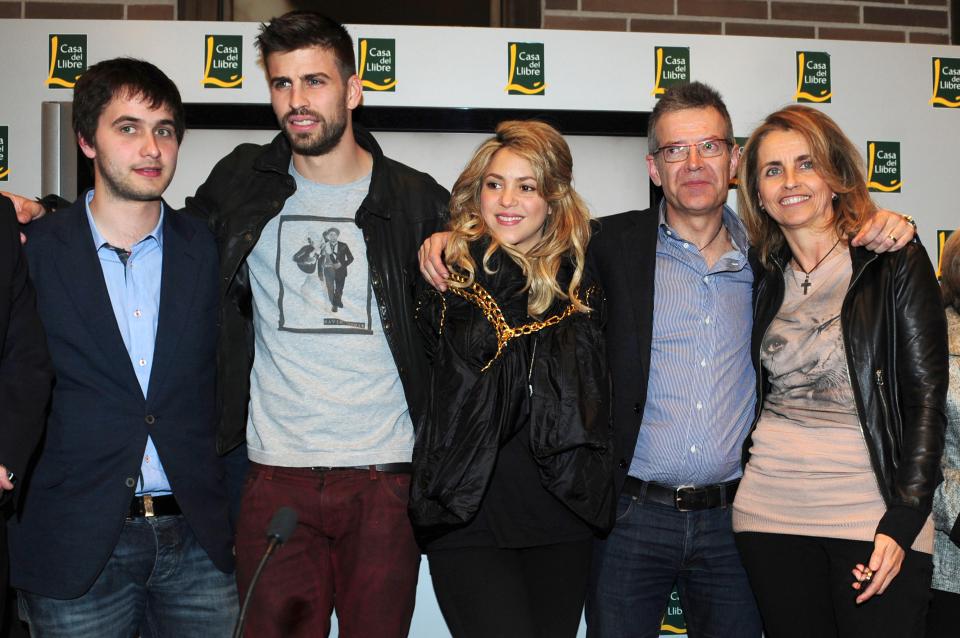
<point x="477" y="295"/>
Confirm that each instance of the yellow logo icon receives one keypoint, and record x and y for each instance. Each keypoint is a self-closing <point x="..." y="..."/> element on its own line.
<point x="946" y="83"/>
<point x="377" y="64"/>
<point x="813" y="77"/>
<point x="68" y="60"/>
<point x="525" y="69"/>
<point x="942" y="236"/>
<point x="673" y="67"/>
<point x="223" y="62"/>
<point x="4" y="167"/>
<point x="883" y="167"/>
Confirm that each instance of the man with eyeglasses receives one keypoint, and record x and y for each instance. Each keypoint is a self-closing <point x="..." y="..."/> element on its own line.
<point x="678" y="287"/>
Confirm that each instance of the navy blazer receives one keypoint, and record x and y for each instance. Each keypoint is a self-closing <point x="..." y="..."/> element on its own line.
<point x="79" y="494"/>
<point x="622" y="256"/>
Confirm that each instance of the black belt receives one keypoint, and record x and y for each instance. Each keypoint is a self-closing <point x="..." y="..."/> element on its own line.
<point x="682" y="498"/>
<point x="147" y="506"/>
<point x="392" y="468"/>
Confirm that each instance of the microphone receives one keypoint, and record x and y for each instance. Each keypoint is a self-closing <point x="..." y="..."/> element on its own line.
<point x="279" y="530"/>
<point x="281" y="526"/>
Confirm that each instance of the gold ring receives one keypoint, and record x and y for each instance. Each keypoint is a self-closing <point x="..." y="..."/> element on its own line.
<point x="892" y="238"/>
<point x="867" y="574"/>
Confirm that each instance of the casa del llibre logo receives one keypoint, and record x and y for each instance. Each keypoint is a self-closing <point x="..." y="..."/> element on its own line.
<point x="67" y="61"/>
<point x="672" y="66"/>
<point x="946" y="83"/>
<point x="526" y="72"/>
<point x="4" y="153"/>
<point x="378" y="64"/>
<point x="883" y="167"/>
<point x="222" y="62"/>
<point x="813" y="77"/>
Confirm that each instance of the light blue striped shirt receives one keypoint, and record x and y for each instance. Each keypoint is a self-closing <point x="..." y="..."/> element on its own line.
<point x="134" y="291"/>
<point x="700" y="395"/>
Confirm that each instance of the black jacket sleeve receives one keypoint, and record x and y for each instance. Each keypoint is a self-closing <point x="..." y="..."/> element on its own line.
<point x="26" y="374"/>
<point x="922" y="377"/>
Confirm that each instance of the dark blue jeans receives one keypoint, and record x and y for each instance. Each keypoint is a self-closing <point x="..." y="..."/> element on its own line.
<point x="654" y="547"/>
<point x="159" y="582"/>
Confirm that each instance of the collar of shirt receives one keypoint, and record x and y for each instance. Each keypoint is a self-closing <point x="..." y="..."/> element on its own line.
<point x="155" y="236"/>
<point x="731" y="221"/>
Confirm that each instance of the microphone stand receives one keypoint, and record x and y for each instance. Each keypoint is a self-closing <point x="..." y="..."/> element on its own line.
<point x="281" y="527"/>
<point x="271" y="546"/>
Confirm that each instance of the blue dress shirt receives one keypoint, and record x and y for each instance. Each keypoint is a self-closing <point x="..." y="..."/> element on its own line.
<point x="700" y="395"/>
<point x="134" y="289"/>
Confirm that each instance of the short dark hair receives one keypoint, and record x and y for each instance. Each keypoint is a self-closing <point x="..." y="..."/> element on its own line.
<point x="123" y="77"/>
<point x="303" y="29"/>
<point x="680" y="97"/>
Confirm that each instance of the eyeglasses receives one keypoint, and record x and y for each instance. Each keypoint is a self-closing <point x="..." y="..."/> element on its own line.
<point x="680" y="152"/>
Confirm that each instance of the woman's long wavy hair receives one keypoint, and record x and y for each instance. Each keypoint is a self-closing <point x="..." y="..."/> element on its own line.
<point x="566" y="231"/>
<point x="835" y="159"/>
<point x="950" y="271"/>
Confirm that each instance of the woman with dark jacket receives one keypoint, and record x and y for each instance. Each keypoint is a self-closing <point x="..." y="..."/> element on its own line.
<point x="833" y="512"/>
<point x="943" y="619"/>
<point x="512" y="463"/>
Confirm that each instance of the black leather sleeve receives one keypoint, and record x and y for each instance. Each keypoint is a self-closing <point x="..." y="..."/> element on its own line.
<point x="920" y="349"/>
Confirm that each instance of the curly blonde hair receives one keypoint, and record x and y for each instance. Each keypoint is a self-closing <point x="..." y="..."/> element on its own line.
<point x="835" y="159"/>
<point x="566" y="231"/>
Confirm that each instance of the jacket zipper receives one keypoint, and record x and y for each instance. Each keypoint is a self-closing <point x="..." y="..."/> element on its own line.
<point x="533" y="355"/>
<point x="883" y="397"/>
<point x="846" y="349"/>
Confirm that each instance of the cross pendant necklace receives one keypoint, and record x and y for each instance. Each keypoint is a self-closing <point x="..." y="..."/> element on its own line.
<point x="806" y="279"/>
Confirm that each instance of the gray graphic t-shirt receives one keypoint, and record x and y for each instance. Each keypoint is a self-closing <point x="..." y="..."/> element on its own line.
<point x="324" y="390"/>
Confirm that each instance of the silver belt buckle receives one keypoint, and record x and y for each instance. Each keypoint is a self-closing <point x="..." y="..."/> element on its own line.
<point x="677" y="500"/>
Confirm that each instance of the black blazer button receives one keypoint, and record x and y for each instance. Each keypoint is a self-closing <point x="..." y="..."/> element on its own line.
<point x="150" y="419"/>
<point x="130" y="482"/>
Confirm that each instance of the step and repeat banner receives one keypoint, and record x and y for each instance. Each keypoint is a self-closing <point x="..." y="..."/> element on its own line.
<point x="899" y="103"/>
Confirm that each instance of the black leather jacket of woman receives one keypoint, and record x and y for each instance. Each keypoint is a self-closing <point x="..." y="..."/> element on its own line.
<point x="554" y="378"/>
<point x="895" y="340"/>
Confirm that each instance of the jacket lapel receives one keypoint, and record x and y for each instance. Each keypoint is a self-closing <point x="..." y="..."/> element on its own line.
<point x="638" y="247"/>
<point x="82" y="276"/>
<point x="177" y="291"/>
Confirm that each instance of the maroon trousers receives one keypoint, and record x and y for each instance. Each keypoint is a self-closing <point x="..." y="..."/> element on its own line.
<point x="353" y="550"/>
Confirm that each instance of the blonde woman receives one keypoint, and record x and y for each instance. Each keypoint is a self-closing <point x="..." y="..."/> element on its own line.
<point x="832" y="517"/>
<point x="512" y="464"/>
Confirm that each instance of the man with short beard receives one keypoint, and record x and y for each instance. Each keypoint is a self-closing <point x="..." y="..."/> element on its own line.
<point x="325" y="396"/>
<point x="325" y="399"/>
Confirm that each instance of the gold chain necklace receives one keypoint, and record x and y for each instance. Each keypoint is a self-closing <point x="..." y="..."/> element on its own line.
<point x="477" y="295"/>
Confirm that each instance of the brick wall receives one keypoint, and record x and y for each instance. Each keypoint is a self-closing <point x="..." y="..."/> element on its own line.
<point x="923" y="21"/>
<point x="87" y="10"/>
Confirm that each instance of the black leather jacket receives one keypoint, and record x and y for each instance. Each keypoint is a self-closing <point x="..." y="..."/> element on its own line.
<point x="895" y="338"/>
<point x="249" y="187"/>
